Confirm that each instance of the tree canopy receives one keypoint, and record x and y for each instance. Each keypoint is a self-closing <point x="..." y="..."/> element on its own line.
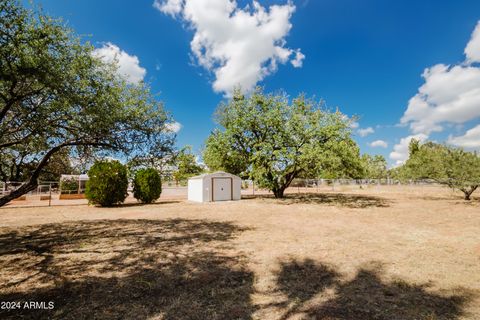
<point x="55" y="95"/>
<point x="272" y="141"/>
<point x="447" y="165"/>
<point x="375" y="167"/>
<point x="186" y="164"/>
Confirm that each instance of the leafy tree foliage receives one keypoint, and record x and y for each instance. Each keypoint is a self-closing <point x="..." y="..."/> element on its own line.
<point x="450" y="166"/>
<point x="68" y="186"/>
<point x="55" y="96"/>
<point x="147" y="185"/>
<point x="266" y="138"/>
<point x="186" y="164"/>
<point x="18" y="167"/>
<point x="107" y="183"/>
<point x="375" y="167"/>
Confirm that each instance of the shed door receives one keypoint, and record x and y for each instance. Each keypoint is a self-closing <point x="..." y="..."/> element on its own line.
<point x="222" y="189"/>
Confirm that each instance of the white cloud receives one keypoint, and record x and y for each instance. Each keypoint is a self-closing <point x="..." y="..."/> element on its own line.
<point x="472" y="51"/>
<point x="470" y="140"/>
<point x="171" y="7"/>
<point x="240" y="46"/>
<point x="450" y="94"/>
<point x="378" y="144"/>
<point x="298" y="61"/>
<point x="128" y="66"/>
<point x="353" y="124"/>
<point x="365" y="132"/>
<point x="174" y="127"/>
<point x="400" y="151"/>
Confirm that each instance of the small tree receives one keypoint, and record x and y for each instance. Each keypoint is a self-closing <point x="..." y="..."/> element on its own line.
<point x="450" y="166"/>
<point x="273" y="141"/>
<point x="147" y="185"/>
<point x="69" y="185"/>
<point x="107" y="184"/>
<point x="375" y="167"/>
<point x="187" y="165"/>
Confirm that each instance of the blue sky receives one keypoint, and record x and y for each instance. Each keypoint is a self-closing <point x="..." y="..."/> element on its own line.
<point x="366" y="57"/>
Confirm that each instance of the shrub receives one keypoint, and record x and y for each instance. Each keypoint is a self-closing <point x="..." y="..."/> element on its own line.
<point x="69" y="185"/>
<point x="147" y="185"/>
<point x="107" y="184"/>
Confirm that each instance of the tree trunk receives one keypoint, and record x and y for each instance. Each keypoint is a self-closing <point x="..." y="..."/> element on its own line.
<point x="468" y="192"/>
<point x="279" y="193"/>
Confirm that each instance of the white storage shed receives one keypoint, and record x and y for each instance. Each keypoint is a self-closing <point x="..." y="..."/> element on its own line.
<point x="218" y="186"/>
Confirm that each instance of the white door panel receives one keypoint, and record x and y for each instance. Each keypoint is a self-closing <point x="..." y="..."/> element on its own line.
<point x="222" y="189"/>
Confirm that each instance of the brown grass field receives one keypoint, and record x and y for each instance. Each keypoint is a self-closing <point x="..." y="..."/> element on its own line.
<point x="372" y="253"/>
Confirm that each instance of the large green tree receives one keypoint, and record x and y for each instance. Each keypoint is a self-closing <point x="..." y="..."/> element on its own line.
<point x="55" y="95"/>
<point x="272" y="141"/>
<point x="447" y="165"/>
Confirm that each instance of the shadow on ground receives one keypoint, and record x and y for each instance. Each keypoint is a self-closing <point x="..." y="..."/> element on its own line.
<point x="125" y="269"/>
<point x="366" y="296"/>
<point x="188" y="269"/>
<point x="334" y="199"/>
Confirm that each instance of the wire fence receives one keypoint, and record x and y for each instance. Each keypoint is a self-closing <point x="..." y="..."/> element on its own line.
<point x="72" y="190"/>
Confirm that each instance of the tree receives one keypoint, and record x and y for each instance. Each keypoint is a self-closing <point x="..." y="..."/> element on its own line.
<point x="56" y="96"/>
<point x="17" y="166"/>
<point x="375" y="167"/>
<point x="147" y="185"/>
<point x="447" y="165"/>
<point x="186" y="164"/>
<point x="271" y="141"/>
<point x="220" y="156"/>
<point x="107" y="183"/>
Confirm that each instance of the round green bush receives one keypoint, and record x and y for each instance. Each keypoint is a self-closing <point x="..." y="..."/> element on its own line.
<point x="107" y="183"/>
<point x="147" y="185"/>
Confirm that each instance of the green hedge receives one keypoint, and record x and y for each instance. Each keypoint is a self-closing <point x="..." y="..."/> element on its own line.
<point x="147" y="185"/>
<point x="107" y="184"/>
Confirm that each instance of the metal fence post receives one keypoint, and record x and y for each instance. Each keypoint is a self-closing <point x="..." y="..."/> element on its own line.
<point x="50" y="196"/>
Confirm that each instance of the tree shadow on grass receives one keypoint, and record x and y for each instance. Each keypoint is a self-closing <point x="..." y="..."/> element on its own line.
<point x="334" y="199"/>
<point x="366" y="296"/>
<point x="125" y="269"/>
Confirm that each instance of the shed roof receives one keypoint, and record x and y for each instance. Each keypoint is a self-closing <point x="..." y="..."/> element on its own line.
<point x="214" y="174"/>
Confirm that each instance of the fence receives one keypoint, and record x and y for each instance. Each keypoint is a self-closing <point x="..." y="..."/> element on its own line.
<point x="58" y="193"/>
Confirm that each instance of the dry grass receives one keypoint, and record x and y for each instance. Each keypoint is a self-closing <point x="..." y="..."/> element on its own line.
<point x="344" y="254"/>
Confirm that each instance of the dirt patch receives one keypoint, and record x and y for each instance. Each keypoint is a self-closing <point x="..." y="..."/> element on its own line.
<point x="125" y="269"/>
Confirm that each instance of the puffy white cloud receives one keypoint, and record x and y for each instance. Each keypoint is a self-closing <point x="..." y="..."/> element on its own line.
<point x="171" y="7"/>
<point x="400" y="151"/>
<point x="472" y="51"/>
<point x="378" y="144"/>
<point x="173" y="127"/>
<point x="240" y="46"/>
<point x="365" y="132"/>
<point x="470" y="140"/>
<point x="298" y="61"/>
<point x="450" y="94"/>
<point x="128" y="65"/>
